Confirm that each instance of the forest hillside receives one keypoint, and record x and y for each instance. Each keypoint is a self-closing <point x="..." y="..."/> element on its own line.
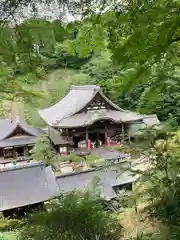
<point x="129" y="48"/>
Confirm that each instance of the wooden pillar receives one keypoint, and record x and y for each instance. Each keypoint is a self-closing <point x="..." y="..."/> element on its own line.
<point x="26" y="151"/>
<point x="67" y="132"/>
<point x="123" y="132"/>
<point x="97" y="135"/>
<point x="87" y="136"/>
<point x="106" y="133"/>
<point x="3" y="152"/>
<point x="14" y="153"/>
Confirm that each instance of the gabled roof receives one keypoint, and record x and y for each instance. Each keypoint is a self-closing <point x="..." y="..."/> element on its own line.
<point x="57" y="138"/>
<point x="108" y="178"/>
<point x="8" y="126"/>
<point x="77" y="98"/>
<point x="67" y="112"/>
<point x="26" y="185"/>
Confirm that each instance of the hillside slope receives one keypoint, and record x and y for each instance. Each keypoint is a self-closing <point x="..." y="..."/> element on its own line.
<point x="52" y="89"/>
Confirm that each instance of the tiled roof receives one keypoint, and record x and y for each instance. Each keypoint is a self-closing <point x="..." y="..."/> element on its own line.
<point x="88" y="118"/>
<point x="57" y="138"/>
<point x="18" y="141"/>
<point x="26" y="185"/>
<point x="31" y="183"/>
<point x="7" y="126"/>
<point x="65" y="113"/>
<point x="77" y="98"/>
<point x="108" y="178"/>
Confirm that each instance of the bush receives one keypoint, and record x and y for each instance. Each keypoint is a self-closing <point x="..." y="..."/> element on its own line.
<point x="76" y="216"/>
<point x="72" y="157"/>
<point x="9" y="224"/>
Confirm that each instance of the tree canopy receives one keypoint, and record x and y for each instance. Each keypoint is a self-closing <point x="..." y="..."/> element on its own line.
<point x="131" y="49"/>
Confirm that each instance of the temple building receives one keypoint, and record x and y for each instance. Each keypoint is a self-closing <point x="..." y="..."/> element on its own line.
<point x="24" y="188"/>
<point x="86" y="117"/>
<point x="17" y="138"/>
<point x="108" y="183"/>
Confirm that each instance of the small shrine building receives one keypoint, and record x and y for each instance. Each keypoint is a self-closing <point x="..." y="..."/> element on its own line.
<point x="17" y="138"/>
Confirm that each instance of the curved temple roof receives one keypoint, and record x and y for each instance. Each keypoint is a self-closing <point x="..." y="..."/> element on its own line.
<point x="77" y="98"/>
<point x="66" y="113"/>
<point x="7" y="127"/>
<point x="88" y="118"/>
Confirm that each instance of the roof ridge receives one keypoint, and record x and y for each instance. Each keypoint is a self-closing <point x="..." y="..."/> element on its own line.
<point x="85" y="87"/>
<point x="23" y="166"/>
<point x="75" y="173"/>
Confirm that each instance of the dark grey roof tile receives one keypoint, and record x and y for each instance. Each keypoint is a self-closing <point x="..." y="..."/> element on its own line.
<point x="18" y="141"/>
<point x="7" y="127"/>
<point x="77" y="98"/>
<point x="106" y="178"/>
<point x="56" y="137"/>
<point x="74" y="101"/>
<point x="88" y="118"/>
<point x="21" y="186"/>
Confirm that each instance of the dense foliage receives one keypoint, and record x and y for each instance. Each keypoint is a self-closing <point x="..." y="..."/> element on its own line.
<point x="145" y="80"/>
<point x="43" y="151"/>
<point x="75" y="216"/>
<point x="130" y="49"/>
<point x="161" y="180"/>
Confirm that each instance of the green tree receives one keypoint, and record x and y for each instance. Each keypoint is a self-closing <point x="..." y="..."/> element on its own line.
<point x="137" y="33"/>
<point x="102" y="71"/>
<point x="61" y="58"/>
<point x="74" y="216"/>
<point x="43" y="150"/>
<point x="161" y="180"/>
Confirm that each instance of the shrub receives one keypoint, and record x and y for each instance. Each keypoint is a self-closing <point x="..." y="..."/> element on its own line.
<point x="76" y="216"/>
<point x="9" y="224"/>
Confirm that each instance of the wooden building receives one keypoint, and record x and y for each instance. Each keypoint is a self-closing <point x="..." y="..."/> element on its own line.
<point x="86" y="115"/>
<point x="24" y="188"/>
<point x="108" y="183"/>
<point x="16" y="139"/>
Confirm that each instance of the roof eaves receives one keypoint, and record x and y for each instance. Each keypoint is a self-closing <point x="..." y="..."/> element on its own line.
<point x="14" y="124"/>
